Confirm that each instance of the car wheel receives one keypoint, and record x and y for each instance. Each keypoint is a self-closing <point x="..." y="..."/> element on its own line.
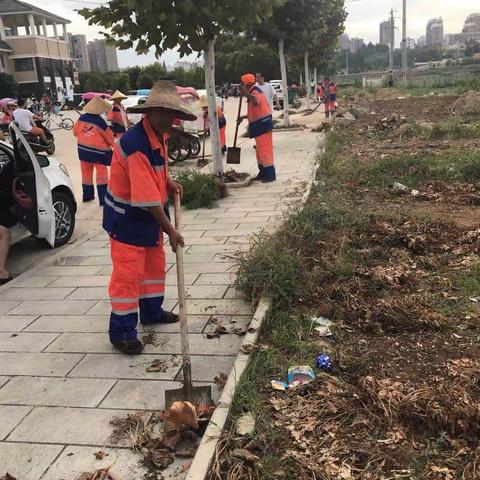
<point x="50" y="150"/>
<point x="64" y="218"/>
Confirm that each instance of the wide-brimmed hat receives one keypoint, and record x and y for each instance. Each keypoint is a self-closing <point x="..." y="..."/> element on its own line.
<point x="203" y="101"/>
<point x="97" y="106"/>
<point x="164" y="95"/>
<point x="118" y="95"/>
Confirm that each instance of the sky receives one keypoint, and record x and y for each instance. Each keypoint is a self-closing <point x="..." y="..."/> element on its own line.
<point x="364" y="17"/>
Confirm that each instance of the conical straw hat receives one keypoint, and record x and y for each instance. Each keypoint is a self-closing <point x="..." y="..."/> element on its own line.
<point x="203" y="101"/>
<point x="164" y="95"/>
<point x="118" y="95"/>
<point x="97" y="106"/>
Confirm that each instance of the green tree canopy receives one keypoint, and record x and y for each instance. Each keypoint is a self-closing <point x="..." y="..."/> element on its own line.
<point x="8" y="86"/>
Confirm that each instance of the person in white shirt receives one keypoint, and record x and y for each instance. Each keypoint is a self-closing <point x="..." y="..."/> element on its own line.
<point x="26" y="122"/>
<point x="268" y="90"/>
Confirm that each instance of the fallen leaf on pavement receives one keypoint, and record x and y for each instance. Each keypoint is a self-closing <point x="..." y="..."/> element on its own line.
<point x="100" y="455"/>
<point x="161" y="458"/>
<point x="183" y="413"/>
<point x="247" y="348"/>
<point x="221" y="379"/>
<point x="156" y="366"/>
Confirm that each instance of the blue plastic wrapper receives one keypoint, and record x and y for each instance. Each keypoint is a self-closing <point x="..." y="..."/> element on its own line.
<point x="324" y="362"/>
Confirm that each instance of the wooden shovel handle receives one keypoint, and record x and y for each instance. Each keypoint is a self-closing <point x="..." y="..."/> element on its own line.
<point x="182" y="304"/>
<point x="238" y="116"/>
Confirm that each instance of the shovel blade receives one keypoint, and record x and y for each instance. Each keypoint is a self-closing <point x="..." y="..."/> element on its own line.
<point x="200" y="396"/>
<point x="233" y="155"/>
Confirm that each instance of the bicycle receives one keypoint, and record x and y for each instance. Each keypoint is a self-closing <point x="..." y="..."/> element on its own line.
<point x="62" y="122"/>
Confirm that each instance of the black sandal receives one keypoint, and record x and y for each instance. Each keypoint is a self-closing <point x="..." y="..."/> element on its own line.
<point x="3" y="281"/>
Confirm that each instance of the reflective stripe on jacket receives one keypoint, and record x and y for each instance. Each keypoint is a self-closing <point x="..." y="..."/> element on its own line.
<point x="138" y="180"/>
<point x="95" y="140"/>
<point x="260" y="115"/>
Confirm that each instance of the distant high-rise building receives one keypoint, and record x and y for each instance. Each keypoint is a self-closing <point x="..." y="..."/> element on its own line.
<point x="471" y="29"/>
<point x="386" y="33"/>
<point x="435" y="32"/>
<point x="344" y="42"/>
<point x="356" y="44"/>
<point x="79" y="52"/>
<point x="421" y="41"/>
<point x="103" y="57"/>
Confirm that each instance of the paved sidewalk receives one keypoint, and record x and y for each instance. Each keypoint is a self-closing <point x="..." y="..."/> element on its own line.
<point x="60" y="380"/>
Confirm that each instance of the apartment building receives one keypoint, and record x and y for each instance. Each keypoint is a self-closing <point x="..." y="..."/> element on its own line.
<point x="34" y="49"/>
<point x="102" y="57"/>
<point x="79" y="52"/>
<point x="434" y="32"/>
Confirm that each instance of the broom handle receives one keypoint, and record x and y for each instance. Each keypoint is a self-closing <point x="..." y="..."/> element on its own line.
<point x="238" y="116"/>
<point x="182" y="302"/>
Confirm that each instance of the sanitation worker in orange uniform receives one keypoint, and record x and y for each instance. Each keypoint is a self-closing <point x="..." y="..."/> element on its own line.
<point x="136" y="217"/>
<point x="260" y="126"/>
<point x="94" y="144"/>
<point x="222" y="121"/>
<point x="118" y="116"/>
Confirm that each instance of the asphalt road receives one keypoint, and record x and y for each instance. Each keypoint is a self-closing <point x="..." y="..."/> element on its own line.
<point x="28" y="252"/>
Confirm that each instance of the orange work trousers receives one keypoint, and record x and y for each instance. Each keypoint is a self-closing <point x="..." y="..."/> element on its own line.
<point x="87" y="169"/>
<point x="137" y="283"/>
<point x="264" y="150"/>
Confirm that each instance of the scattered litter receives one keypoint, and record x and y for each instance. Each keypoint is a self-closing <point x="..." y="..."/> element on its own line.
<point x="219" y="330"/>
<point x="400" y="187"/>
<point x="183" y="413"/>
<point x="246" y="348"/>
<point x="245" y="425"/>
<point x="323" y="321"/>
<point x="323" y="331"/>
<point x="244" y="454"/>
<point x="415" y="193"/>
<point x="278" y="385"/>
<point x="102" y="474"/>
<point x="301" y="375"/>
<point x="220" y="379"/>
<point x="160" y="458"/>
<point x="100" y="455"/>
<point x="157" y="366"/>
<point x="324" y="362"/>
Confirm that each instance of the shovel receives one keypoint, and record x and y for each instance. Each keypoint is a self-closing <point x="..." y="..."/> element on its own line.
<point x="188" y="393"/>
<point x="233" y="153"/>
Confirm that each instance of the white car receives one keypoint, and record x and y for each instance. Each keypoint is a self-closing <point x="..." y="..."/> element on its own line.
<point x="42" y="190"/>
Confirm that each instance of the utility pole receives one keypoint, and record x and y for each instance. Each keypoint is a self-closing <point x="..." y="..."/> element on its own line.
<point x="404" y="41"/>
<point x="392" y="38"/>
<point x="346" y="53"/>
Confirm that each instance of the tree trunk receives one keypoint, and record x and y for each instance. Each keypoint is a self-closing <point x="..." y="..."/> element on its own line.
<point x="307" y="79"/>
<point x="315" y="81"/>
<point x="212" y="107"/>
<point x="283" y="71"/>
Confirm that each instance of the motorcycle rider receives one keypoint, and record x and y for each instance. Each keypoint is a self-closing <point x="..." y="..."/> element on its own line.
<point x="26" y="122"/>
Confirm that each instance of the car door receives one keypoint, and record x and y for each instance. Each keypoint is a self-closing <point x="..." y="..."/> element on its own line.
<point x="31" y="190"/>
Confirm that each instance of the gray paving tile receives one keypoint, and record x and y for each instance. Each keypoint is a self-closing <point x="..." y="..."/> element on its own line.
<point x="92" y="252"/>
<point x="10" y="417"/>
<point x="164" y="343"/>
<point x="67" y="271"/>
<point x="89" y="293"/>
<point x="103" y="307"/>
<point x="77" y="281"/>
<point x="34" y="281"/>
<point x="197" y="291"/>
<point x="4" y="380"/>
<point x="196" y="324"/>
<point x="233" y="292"/>
<point x="215" y="249"/>
<point x="44" y="364"/>
<point x="25" y="342"/>
<point x="48" y="391"/>
<point x="99" y="260"/>
<point x="72" y="323"/>
<point x="124" y="464"/>
<point x="53" y="307"/>
<point x="81" y="426"/>
<point x="36" y="293"/>
<point x="125" y="367"/>
<point x="7" y="306"/>
<point x="216" y="279"/>
<point x="239" y="239"/>
<point x="15" y="323"/>
<point x="220" y="307"/>
<point x="190" y="278"/>
<point x="207" y="267"/>
<point x="27" y="461"/>
<point x="192" y="258"/>
<point x="205" y="368"/>
<point x="210" y="240"/>
<point x="144" y="394"/>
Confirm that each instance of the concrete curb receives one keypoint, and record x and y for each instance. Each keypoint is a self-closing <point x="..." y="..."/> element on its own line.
<point x="202" y="461"/>
<point x="292" y="129"/>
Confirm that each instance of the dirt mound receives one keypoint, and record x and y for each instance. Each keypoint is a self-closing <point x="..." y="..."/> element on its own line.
<point x="468" y="106"/>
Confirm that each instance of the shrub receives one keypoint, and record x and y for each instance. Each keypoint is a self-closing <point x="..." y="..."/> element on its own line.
<point x="200" y="190"/>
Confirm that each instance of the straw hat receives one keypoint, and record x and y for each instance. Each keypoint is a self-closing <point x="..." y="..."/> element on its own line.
<point x="164" y="95"/>
<point x="97" y="106"/>
<point x="118" y="95"/>
<point x="203" y="101"/>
